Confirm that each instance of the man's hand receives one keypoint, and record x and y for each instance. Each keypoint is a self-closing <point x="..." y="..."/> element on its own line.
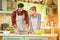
<point x="27" y="28"/>
<point x="16" y="29"/>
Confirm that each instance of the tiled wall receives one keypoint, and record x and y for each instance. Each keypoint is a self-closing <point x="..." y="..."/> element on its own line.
<point x="5" y="18"/>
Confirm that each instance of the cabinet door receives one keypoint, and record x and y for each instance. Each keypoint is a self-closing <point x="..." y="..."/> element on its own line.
<point x="35" y="38"/>
<point x="13" y="38"/>
<point x="0" y="37"/>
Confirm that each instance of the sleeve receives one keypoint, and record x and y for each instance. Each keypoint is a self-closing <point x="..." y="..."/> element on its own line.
<point x="26" y="18"/>
<point x="13" y="17"/>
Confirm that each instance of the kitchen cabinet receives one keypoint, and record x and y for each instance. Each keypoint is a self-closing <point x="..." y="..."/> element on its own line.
<point x="50" y="1"/>
<point x="52" y="14"/>
<point x="11" y="4"/>
<point x="13" y="38"/>
<point x="28" y="37"/>
<point x="0" y="37"/>
<point x="36" y="38"/>
<point x="52" y="38"/>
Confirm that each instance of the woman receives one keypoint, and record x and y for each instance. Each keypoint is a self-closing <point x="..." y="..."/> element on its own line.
<point x="34" y="20"/>
<point x="20" y="19"/>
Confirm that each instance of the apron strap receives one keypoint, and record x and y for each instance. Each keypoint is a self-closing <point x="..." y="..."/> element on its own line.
<point x="31" y="27"/>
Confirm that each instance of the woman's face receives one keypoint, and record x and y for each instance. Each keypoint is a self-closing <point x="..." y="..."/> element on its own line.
<point x="32" y="12"/>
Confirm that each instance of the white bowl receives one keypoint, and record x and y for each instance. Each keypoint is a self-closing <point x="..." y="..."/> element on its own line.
<point x="6" y="32"/>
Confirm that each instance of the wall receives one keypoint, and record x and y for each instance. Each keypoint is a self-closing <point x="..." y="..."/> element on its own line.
<point x="0" y="4"/>
<point x="5" y="18"/>
<point x="59" y="16"/>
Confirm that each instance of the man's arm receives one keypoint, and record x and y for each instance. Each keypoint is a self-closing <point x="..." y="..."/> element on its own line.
<point x="26" y="21"/>
<point x="13" y="17"/>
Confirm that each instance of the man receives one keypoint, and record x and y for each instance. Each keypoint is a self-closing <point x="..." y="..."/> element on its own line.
<point x="20" y="19"/>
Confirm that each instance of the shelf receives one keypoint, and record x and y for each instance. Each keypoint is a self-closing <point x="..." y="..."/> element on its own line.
<point x="6" y="12"/>
<point x="48" y="27"/>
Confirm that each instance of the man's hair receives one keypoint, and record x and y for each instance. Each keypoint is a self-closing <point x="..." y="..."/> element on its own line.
<point x="20" y="5"/>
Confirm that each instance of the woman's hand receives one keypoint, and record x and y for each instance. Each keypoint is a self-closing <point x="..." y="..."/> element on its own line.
<point x="32" y="33"/>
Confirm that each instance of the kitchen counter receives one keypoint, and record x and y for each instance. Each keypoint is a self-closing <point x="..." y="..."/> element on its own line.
<point x="29" y="37"/>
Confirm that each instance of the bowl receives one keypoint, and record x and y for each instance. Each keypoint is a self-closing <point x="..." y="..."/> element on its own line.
<point x="6" y="32"/>
<point x="41" y="31"/>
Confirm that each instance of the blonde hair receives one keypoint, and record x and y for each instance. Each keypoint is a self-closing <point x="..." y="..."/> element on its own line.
<point x="33" y="8"/>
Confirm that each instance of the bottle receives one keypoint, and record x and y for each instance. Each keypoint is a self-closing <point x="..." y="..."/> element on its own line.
<point x="52" y="30"/>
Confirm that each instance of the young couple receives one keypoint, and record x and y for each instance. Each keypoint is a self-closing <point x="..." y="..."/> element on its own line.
<point x="21" y="21"/>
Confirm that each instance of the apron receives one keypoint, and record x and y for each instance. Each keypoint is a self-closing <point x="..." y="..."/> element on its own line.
<point x="34" y="23"/>
<point x="20" y="22"/>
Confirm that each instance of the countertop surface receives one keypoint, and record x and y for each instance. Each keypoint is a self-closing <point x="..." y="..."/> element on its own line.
<point x="49" y="35"/>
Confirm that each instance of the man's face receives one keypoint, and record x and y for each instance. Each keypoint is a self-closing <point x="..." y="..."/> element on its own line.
<point x="20" y="9"/>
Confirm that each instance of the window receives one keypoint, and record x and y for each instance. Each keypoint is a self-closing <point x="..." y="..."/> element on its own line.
<point x="0" y="4"/>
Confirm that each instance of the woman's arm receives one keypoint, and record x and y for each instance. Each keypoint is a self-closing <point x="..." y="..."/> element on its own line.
<point x="39" y="21"/>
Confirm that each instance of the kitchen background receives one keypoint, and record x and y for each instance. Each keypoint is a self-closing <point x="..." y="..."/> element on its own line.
<point x="43" y="7"/>
<point x="47" y="8"/>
